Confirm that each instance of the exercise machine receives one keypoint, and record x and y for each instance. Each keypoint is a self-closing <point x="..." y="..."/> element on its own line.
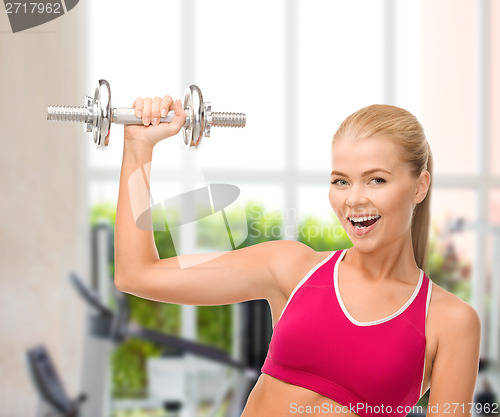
<point x="233" y="378"/>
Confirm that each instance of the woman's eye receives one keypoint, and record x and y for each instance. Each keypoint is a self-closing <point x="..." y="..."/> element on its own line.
<point x="344" y="182"/>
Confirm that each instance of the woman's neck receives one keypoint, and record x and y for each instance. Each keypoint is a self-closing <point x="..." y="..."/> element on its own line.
<point x="393" y="261"/>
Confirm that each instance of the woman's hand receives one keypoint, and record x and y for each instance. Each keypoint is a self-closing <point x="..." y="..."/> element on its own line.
<point x="150" y="110"/>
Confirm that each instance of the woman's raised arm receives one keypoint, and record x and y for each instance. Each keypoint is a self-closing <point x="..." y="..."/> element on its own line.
<point x="234" y="276"/>
<point x="134" y="247"/>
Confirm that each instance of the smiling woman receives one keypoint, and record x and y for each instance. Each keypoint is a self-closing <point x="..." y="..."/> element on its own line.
<point x="399" y="154"/>
<point x="355" y="331"/>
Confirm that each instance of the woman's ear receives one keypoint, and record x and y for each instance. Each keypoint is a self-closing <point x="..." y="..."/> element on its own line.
<point x="423" y="183"/>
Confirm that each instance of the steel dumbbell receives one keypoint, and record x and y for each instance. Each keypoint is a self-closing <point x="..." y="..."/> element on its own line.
<point x="98" y="115"/>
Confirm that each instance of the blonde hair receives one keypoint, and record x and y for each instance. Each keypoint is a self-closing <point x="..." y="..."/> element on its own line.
<point x="404" y="129"/>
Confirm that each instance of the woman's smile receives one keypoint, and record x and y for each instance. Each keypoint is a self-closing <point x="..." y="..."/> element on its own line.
<point x="360" y="227"/>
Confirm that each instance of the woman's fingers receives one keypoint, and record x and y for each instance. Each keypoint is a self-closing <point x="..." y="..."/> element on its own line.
<point x="138" y="105"/>
<point x="166" y="103"/>
<point x="155" y="111"/>
<point x="146" y="111"/>
<point x="180" y="116"/>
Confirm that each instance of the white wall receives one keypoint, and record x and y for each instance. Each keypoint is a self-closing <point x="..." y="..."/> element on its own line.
<point x="43" y="219"/>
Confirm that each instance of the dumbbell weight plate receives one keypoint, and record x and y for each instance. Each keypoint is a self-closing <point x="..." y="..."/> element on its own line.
<point x="101" y="108"/>
<point x="195" y="109"/>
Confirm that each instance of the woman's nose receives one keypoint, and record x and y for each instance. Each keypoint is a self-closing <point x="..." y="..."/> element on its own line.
<point x="356" y="197"/>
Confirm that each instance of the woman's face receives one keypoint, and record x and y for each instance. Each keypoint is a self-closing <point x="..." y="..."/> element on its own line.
<point x="370" y="180"/>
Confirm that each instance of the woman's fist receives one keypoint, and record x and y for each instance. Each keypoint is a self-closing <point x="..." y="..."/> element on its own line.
<point x="151" y="110"/>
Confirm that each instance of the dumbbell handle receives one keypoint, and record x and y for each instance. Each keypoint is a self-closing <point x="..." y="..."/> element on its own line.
<point x="126" y="116"/>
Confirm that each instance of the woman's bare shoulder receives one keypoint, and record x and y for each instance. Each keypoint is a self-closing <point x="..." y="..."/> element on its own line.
<point x="292" y="252"/>
<point x="450" y="312"/>
<point x="455" y="334"/>
<point x="292" y="260"/>
<point x="445" y="300"/>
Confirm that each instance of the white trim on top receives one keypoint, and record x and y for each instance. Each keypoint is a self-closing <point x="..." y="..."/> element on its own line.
<point x="371" y="323"/>
<point x="429" y="291"/>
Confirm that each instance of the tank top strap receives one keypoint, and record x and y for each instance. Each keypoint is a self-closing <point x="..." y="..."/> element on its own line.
<point x="323" y="275"/>
<point x="416" y="313"/>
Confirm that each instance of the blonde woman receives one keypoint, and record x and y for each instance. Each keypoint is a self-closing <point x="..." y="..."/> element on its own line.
<point x="362" y="331"/>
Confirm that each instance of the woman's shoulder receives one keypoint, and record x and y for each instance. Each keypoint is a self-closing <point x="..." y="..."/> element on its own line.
<point x="454" y="333"/>
<point x="447" y="302"/>
<point x="450" y="312"/>
<point x="283" y="247"/>
<point x="294" y="252"/>
<point x="292" y="260"/>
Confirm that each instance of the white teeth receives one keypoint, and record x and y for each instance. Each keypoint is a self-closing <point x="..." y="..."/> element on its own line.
<point x="362" y="219"/>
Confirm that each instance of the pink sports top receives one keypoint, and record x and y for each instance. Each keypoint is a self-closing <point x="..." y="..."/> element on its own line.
<point x="374" y="367"/>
